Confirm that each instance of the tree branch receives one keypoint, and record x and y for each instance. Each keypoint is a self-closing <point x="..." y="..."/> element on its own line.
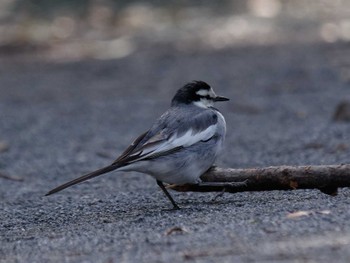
<point x="326" y="178"/>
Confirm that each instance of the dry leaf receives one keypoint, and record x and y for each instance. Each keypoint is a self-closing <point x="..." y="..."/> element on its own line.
<point x="298" y="214"/>
<point x="175" y="229"/>
<point x="324" y="212"/>
<point x="307" y="213"/>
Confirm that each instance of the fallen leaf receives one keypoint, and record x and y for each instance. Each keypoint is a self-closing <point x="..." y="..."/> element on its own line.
<point x="324" y="212"/>
<point x="298" y="214"/>
<point x="175" y="229"/>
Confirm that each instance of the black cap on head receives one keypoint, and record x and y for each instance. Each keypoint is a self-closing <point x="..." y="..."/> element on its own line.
<point x="188" y="93"/>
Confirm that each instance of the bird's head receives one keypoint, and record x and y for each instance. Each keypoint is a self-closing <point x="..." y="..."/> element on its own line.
<point x="197" y="92"/>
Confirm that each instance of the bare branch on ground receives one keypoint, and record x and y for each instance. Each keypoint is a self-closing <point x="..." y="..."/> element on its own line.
<point x="326" y="178"/>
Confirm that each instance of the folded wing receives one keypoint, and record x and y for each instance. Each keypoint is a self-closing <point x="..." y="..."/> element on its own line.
<point x="172" y="137"/>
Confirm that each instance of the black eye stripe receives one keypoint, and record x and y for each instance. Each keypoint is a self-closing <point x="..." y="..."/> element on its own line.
<point x="206" y="97"/>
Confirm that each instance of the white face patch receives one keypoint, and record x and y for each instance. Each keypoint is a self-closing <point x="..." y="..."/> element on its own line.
<point x="204" y="102"/>
<point x="204" y="93"/>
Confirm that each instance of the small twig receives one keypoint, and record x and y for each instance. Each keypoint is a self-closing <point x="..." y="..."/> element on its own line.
<point x="5" y="176"/>
<point x="220" y="194"/>
<point x="326" y="178"/>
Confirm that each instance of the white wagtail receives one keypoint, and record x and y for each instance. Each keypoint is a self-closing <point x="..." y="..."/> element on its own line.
<point x="180" y="146"/>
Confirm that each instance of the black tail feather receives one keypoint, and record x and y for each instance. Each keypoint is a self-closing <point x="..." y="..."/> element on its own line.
<point x="84" y="178"/>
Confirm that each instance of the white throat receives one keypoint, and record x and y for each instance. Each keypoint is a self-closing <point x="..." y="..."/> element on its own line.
<point x="204" y="103"/>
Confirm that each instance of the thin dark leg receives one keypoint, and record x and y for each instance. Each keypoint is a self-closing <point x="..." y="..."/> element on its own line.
<point x="161" y="185"/>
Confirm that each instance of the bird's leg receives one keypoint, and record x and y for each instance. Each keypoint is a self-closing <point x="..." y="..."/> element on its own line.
<point x="161" y="185"/>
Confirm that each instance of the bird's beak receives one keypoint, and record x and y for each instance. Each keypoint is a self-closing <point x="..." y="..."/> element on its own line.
<point x="219" y="98"/>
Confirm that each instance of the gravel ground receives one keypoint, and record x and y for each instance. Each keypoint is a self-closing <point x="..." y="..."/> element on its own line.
<point x="60" y="120"/>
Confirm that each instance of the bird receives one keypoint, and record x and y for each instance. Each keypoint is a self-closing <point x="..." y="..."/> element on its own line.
<point x="180" y="146"/>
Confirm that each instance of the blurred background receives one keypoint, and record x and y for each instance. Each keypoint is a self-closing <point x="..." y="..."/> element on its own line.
<point x="107" y="29"/>
<point x="80" y="80"/>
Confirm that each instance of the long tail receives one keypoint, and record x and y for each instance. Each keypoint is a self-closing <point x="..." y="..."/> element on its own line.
<point x="85" y="177"/>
